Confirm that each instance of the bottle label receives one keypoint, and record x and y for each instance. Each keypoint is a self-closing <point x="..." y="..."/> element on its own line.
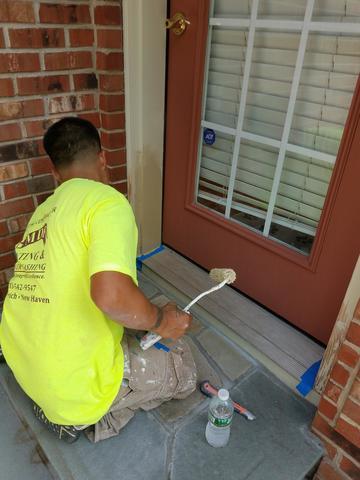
<point x="219" y="422"/>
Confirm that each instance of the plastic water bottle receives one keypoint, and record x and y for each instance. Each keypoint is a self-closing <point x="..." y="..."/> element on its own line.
<point x="220" y="415"/>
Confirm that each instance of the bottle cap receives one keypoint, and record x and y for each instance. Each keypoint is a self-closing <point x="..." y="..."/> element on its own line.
<point x="223" y="394"/>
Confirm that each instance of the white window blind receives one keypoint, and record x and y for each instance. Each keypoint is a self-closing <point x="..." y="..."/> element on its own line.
<point x="320" y="98"/>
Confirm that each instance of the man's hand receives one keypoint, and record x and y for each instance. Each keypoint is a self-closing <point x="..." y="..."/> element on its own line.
<point x="174" y="323"/>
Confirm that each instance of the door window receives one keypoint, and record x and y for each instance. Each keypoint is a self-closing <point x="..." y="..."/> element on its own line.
<point x="279" y="79"/>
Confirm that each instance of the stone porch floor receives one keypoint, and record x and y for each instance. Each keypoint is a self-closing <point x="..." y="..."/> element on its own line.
<point x="169" y="443"/>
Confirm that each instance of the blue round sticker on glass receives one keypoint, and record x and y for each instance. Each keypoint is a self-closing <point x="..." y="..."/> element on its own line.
<point x="209" y="136"/>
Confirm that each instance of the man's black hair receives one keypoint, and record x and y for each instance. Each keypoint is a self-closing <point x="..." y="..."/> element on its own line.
<point x="69" y="139"/>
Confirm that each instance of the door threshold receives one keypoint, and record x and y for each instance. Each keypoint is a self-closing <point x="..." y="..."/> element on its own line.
<point x="282" y="349"/>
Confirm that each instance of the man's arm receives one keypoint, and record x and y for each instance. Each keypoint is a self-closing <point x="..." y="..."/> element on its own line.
<point x="120" y="299"/>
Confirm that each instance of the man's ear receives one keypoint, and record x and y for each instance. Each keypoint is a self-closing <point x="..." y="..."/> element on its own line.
<point x="56" y="174"/>
<point x="104" y="172"/>
<point x="102" y="159"/>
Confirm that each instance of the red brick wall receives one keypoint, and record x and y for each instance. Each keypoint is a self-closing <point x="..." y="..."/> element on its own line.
<point x="56" y="59"/>
<point x="337" y="421"/>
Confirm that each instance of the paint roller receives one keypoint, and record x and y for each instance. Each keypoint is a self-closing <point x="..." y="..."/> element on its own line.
<point x="223" y="276"/>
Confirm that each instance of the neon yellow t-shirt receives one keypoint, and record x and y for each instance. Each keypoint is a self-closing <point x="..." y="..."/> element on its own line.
<point x="64" y="352"/>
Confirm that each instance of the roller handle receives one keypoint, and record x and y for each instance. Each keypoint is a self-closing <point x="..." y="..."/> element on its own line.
<point x="150" y="338"/>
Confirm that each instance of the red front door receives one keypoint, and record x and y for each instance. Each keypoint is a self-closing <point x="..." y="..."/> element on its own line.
<point x="263" y="153"/>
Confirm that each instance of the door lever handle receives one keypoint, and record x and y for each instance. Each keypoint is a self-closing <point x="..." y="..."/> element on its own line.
<point x="177" y="23"/>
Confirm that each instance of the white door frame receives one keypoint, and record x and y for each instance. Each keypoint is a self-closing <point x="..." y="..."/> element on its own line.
<point x="144" y="72"/>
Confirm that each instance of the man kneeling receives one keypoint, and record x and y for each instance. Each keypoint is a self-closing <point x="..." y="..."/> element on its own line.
<point x="74" y="290"/>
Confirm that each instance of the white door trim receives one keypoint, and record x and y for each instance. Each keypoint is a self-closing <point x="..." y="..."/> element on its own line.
<point x="144" y="73"/>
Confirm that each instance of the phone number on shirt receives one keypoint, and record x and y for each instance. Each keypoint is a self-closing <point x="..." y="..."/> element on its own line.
<point x="26" y="287"/>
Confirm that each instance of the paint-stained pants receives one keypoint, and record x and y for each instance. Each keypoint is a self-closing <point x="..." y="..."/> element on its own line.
<point x="151" y="377"/>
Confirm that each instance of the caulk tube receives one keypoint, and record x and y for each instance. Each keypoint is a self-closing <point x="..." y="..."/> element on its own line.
<point x="149" y="339"/>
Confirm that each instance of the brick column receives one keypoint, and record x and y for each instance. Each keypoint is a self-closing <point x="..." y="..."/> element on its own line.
<point x="337" y="421"/>
<point x="56" y="59"/>
<point x="110" y="66"/>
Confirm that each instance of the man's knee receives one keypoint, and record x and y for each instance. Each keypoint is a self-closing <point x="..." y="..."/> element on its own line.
<point x="185" y="370"/>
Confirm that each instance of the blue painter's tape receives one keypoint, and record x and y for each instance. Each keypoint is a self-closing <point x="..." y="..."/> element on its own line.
<point x="161" y="346"/>
<point x="158" y="345"/>
<point x="308" y="379"/>
<point x="142" y="258"/>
